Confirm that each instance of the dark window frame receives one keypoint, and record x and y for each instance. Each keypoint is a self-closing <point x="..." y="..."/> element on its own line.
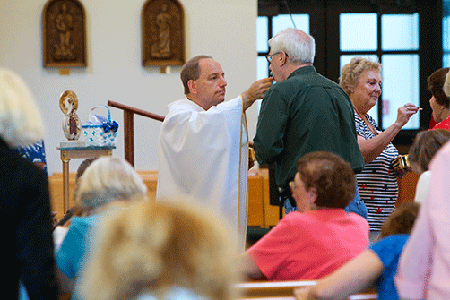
<point x="324" y="26"/>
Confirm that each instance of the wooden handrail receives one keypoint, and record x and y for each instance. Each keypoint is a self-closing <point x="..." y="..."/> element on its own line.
<point x="128" y="123"/>
<point x="285" y="289"/>
<point x="136" y="111"/>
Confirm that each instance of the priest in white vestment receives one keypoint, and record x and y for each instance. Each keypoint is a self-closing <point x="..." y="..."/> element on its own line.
<point x="203" y="144"/>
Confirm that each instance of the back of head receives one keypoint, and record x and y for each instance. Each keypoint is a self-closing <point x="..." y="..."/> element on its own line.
<point x="330" y="175"/>
<point x="437" y="86"/>
<point x="352" y="71"/>
<point x="426" y="144"/>
<point x="401" y="220"/>
<point x="108" y="179"/>
<point x="82" y="167"/>
<point x="150" y="248"/>
<point x="191" y="71"/>
<point x="20" y="119"/>
<point x="299" y="46"/>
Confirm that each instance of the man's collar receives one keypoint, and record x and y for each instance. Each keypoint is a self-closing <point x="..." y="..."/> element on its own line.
<point x="303" y="70"/>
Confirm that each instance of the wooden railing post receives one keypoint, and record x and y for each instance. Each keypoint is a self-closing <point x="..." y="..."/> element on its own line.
<point x="128" y="120"/>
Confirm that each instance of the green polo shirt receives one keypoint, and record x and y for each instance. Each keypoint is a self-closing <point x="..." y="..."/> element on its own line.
<point x="304" y="113"/>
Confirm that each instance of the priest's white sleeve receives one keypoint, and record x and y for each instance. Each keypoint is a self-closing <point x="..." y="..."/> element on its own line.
<point x="203" y="155"/>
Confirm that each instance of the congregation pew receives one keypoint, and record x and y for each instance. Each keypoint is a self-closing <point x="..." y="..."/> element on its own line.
<point x="260" y="212"/>
<point x="265" y="290"/>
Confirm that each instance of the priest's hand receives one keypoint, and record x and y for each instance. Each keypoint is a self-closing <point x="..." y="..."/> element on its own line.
<point x="256" y="91"/>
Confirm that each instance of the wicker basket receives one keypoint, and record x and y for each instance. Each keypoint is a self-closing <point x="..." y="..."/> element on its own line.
<point x="101" y="134"/>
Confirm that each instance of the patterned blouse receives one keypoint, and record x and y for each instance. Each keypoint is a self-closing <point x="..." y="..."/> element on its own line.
<point x="34" y="152"/>
<point x="377" y="182"/>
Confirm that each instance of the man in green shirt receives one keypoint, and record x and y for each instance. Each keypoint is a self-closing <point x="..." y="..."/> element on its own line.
<point x="303" y="112"/>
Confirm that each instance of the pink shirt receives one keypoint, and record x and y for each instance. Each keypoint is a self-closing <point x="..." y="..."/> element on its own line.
<point x="310" y="245"/>
<point x="429" y="245"/>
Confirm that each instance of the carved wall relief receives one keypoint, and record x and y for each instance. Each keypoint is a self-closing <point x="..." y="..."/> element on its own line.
<point x="163" y="33"/>
<point x="64" y="34"/>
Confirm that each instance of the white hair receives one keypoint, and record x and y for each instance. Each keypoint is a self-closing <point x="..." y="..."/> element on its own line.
<point x="298" y="45"/>
<point x="20" y="119"/>
<point x="108" y="179"/>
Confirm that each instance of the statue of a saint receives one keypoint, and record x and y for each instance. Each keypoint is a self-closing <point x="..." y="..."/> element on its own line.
<point x="162" y="47"/>
<point x="64" y="25"/>
<point x="71" y="124"/>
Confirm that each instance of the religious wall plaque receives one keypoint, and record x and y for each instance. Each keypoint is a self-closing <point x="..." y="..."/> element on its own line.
<point x="163" y="33"/>
<point x="64" y="34"/>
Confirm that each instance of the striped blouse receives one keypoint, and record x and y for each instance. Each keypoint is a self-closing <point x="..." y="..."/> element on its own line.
<point x="377" y="182"/>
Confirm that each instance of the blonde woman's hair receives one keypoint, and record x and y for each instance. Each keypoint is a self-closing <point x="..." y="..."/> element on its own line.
<point x="108" y="179"/>
<point x="353" y="70"/>
<point x="152" y="247"/>
<point x="20" y="119"/>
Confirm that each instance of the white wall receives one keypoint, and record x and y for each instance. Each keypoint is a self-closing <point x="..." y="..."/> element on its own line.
<point x="223" y="29"/>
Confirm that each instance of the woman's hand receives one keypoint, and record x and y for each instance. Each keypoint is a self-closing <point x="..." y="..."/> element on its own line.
<point x="400" y="173"/>
<point x="405" y="112"/>
<point x="401" y="166"/>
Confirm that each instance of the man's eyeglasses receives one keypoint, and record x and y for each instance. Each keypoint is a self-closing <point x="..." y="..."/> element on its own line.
<point x="269" y="57"/>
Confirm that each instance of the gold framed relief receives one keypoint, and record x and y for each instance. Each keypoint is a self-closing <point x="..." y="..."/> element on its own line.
<point x="163" y="33"/>
<point x="64" y="34"/>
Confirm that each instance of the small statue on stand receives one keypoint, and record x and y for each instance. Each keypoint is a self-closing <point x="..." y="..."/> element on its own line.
<point x="71" y="124"/>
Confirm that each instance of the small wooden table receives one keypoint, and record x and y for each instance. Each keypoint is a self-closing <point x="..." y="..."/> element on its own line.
<point x="68" y="153"/>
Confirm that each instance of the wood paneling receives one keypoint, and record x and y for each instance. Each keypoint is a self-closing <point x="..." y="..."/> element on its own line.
<point x="260" y="212"/>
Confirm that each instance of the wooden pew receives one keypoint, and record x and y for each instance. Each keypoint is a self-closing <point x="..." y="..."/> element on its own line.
<point x="263" y="289"/>
<point x="260" y="212"/>
<point x="406" y="188"/>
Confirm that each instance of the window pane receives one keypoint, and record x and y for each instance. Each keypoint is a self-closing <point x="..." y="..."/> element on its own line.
<point x="262" y="34"/>
<point x="358" y="38"/>
<point x="345" y="59"/>
<point x="281" y="22"/>
<point x="445" y="34"/>
<point x="262" y="68"/>
<point x="400" y="86"/>
<point x="400" y="32"/>
<point x="262" y="71"/>
<point x="446" y="60"/>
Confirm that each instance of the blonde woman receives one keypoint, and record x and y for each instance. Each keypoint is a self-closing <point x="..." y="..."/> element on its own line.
<point x="108" y="184"/>
<point x="25" y="205"/>
<point x="377" y="182"/>
<point x="165" y="250"/>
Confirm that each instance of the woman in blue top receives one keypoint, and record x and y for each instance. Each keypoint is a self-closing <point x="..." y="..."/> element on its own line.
<point x="378" y="264"/>
<point x="109" y="183"/>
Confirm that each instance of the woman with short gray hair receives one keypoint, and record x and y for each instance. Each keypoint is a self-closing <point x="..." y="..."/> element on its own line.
<point x="108" y="184"/>
<point x="107" y="179"/>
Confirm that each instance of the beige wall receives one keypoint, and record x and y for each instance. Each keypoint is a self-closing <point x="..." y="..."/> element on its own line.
<point x="223" y="29"/>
